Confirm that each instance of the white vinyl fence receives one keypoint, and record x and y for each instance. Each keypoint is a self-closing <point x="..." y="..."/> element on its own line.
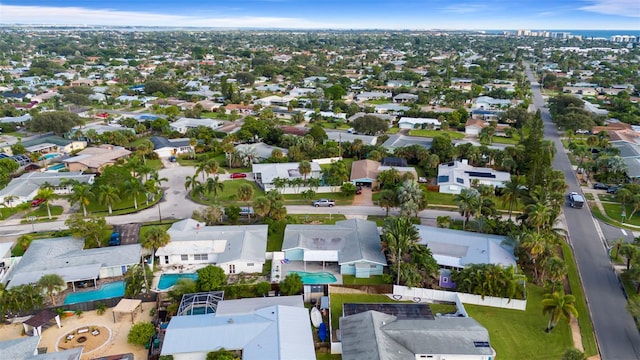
<point x="419" y="294"/>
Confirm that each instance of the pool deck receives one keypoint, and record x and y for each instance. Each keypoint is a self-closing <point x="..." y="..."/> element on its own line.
<point x="174" y="269"/>
<point x="312" y="267"/>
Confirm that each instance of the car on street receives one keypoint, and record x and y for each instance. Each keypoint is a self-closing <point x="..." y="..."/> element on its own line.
<point x="36" y="202"/>
<point x="575" y="200"/>
<point x="238" y="175"/>
<point x="324" y="202"/>
<point x="600" y="186"/>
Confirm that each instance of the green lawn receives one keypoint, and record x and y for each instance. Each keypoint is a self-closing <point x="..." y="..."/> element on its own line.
<point x="393" y="130"/>
<point x="373" y="280"/>
<point x="185" y="161"/>
<point x="5" y="212"/>
<point x="519" y="334"/>
<point x="327" y="219"/>
<point x="155" y="164"/>
<point x="297" y="199"/>
<point x="586" y="328"/>
<point x="433" y="133"/>
<point x="275" y="238"/>
<point x="505" y="140"/>
<point x="379" y="220"/>
<point x="589" y="196"/>
<point x="440" y="198"/>
<point x="326" y="356"/>
<point x="41" y="211"/>
<point x="614" y="211"/>
<point x="125" y="206"/>
<point x="229" y="195"/>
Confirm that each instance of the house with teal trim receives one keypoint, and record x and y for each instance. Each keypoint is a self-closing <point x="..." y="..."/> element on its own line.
<point x="353" y="244"/>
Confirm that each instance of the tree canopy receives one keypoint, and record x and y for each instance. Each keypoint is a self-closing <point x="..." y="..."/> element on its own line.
<point x="59" y="122"/>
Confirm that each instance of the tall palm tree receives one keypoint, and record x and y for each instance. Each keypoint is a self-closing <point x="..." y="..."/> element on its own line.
<point x="537" y="247"/>
<point x="134" y="188"/>
<point x="630" y="252"/>
<point x="245" y="193"/>
<point x="47" y="194"/>
<point x="512" y="191"/>
<point x="155" y="238"/>
<point x="81" y="195"/>
<point x="411" y="198"/>
<point x="157" y="185"/>
<point x="51" y="283"/>
<point x="558" y="305"/>
<point x="201" y="168"/>
<point x="190" y="183"/>
<point x="399" y="238"/>
<point x="538" y="215"/>
<point x="304" y="167"/>
<point x="108" y="194"/>
<point x="556" y="271"/>
<point x="467" y="202"/>
<point x="215" y="186"/>
<point x="212" y="167"/>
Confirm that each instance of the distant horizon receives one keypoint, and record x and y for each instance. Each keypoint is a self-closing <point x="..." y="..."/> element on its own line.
<point x="470" y="15"/>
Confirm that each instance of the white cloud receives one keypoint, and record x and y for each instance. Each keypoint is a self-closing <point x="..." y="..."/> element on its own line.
<point x="463" y="8"/>
<point x="82" y="16"/>
<point x="629" y="8"/>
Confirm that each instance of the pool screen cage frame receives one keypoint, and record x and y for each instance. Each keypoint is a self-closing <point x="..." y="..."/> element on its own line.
<point x="208" y="300"/>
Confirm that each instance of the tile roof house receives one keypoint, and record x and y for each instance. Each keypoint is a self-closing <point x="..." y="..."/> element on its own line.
<point x="457" y="175"/>
<point x="373" y="335"/>
<point x="353" y="244"/>
<point x="95" y="159"/>
<point x="235" y="249"/>
<point x="274" y="328"/>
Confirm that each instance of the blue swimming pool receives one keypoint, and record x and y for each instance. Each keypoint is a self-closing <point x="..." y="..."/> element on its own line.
<point x="106" y="291"/>
<point x="168" y="280"/>
<point x="50" y="156"/>
<point x="316" y="278"/>
<point x="56" y="167"/>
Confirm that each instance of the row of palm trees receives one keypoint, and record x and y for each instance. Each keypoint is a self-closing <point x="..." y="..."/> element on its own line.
<point x="28" y="297"/>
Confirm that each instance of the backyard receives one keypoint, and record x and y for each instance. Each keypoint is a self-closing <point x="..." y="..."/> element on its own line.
<point x="433" y="133"/>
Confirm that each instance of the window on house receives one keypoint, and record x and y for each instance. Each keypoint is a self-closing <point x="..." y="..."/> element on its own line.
<point x="459" y="180"/>
<point x="249" y="264"/>
<point x="184" y="257"/>
<point x="232" y="269"/>
<point x="200" y="257"/>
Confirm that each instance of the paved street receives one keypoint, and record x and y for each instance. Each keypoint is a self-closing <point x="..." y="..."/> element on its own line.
<point x="615" y="330"/>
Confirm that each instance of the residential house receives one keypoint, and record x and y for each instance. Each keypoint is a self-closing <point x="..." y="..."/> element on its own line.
<point x="373" y="335"/>
<point x="235" y="249"/>
<point x="265" y="174"/>
<point x="171" y="147"/>
<point x="275" y="100"/>
<point x="418" y="123"/>
<point x="183" y="124"/>
<point x="457" y="175"/>
<point x="25" y="188"/>
<point x="405" y="98"/>
<point x="18" y="120"/>
<point x="386" y="117"/>
<point x="99" y="128"/>
<point x="95" y="159"/>
<point x="67" y="258"/>
<point x="298" y="92"/>
<point x="390" y="109"/>
<point x="399" y="83"/>
<point x="398" y="140"/>
<point x="341" y="137"/>
<point x="489" y="103"/>
<point x="353" y="244"/>
<point x="261" y="151"/>
<point x="313" y="81"/>
<point x="275" y="328"/>
<point x="54" y="144"/>
<point x="456" y="249"/>
<point x="629" y="151"/>
<point x="373" y="95"/>
<point x="474" y="126"/>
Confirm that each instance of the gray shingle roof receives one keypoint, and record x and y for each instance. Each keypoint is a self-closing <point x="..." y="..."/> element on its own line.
<point x="376" y="336"/>
<point x="30" y="182"/>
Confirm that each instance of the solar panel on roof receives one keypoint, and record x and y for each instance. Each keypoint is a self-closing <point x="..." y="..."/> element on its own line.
<point x="481" y="344"/>
<point x="481" y="174"/>
<point x="401" y="311"/>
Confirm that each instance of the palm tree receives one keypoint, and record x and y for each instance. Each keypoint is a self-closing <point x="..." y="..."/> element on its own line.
<point x="538" y="215"/>
<point x="558" y="305"/>
<point x="81" y="195"/>
<point x="388" y="199"/>
<point x="245" y="192"/>
<point x="155" y="238"/>
<point x="467" y="202"/>
<point x="157" y="185"/>
<point x="399" y="237"/>
<point x="201" y="168"/>
<point x="305" y="169"/>
<point x="556" y="270"/>
<point x="134" y="188"/>
<point x="262" y="206"/>
<point x="191" y="182"/>
<point x="52" y="283"/>
<point x="8" y="200"/>
<point x="211" y="166"/>
<point x="47" y="194"/>
<point x="108" y="194"/>
<point x="411" y="198"/>
<point x="630" y="252"/>
<point x="512" y="191"/>
<point x="536" y="246"/>
<point x="215" y="186"/>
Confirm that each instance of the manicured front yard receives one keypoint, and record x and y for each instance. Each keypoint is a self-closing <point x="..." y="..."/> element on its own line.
<point x="229" y="195"/>
<point x="521" y="334"/>
<point x="327" y="219"/>
<point x="614" y="211"/>
<point x="515" y="140"/>
<point x="41" y="211"/>
<point x="433" y="133"/>
<point x="125" y="205"/>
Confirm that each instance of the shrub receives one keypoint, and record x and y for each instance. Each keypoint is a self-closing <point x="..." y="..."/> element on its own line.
<point x="141" y="333"/>
<point x="101" y="308"/>
<point x="262" y="288"/>
<point x="291" y="285"/>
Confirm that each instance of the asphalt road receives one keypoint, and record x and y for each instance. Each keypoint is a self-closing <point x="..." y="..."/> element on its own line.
<point x="617" y="335"/>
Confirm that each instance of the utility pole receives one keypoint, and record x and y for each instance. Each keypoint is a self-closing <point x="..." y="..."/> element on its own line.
<point x="398" y="277"/>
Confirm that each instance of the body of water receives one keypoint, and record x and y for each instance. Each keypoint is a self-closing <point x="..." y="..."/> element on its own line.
<point x="168" y="280"/>
<point x="316" y="278"/>
<point x="106" y="291"/>
<point x="50" y="156"/>
<point x="56" y="167"/>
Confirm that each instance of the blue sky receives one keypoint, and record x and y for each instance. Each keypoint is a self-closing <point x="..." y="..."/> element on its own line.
<point x="337" y="14"/>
